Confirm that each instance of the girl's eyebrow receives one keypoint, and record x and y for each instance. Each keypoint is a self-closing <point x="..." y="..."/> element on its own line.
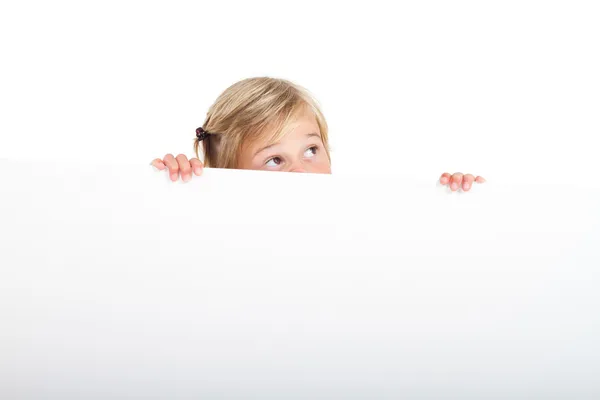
<point x="308" y="135"/>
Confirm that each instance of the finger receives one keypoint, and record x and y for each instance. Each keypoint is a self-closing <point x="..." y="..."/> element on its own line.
<point x="480" y="179"/>
<point x="158" y="164"/>
<point x="445" y="178"/>
<point x="197" y="166"/>
<point x="456" y="181"/>
<point x="468" y="180"/>
<point x="171" y="163"/>
<point x="184" y="167"/>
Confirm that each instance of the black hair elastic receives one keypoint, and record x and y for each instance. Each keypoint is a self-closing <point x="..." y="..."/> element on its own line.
<point x="201" y="134"/>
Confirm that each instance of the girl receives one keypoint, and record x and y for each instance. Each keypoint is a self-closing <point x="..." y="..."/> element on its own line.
<point x="267" y="124"/>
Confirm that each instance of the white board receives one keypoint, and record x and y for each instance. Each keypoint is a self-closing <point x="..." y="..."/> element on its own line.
<point x="116" y="283"/>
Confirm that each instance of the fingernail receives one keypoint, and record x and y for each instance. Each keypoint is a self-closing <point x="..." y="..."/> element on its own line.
<point x="198" y="171"/>
<point x="186" y="178"/>
<point x="454" y="186"/>
<point x="467" y="185"/>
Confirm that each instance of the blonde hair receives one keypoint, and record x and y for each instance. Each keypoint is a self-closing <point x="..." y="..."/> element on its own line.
<point x="253" y="109"/>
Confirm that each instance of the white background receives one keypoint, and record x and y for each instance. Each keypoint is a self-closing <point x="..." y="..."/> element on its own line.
<point x="505" y="89"/>
<point x="490" y="292"/>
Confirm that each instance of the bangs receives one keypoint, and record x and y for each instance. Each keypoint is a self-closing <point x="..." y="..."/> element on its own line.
<point x="284" y="122"/>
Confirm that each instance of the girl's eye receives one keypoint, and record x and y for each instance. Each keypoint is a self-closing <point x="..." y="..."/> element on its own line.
<point x="273" y="162"/>
<point x="310" y="152"/>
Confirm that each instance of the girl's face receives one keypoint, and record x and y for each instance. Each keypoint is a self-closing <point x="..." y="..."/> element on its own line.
<point x="300" y="150"/>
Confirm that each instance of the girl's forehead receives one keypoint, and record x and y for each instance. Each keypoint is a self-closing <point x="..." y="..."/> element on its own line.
<point x="298" y="127"/>
<point x="302" y="125"/>
<point x="302" y="128"/>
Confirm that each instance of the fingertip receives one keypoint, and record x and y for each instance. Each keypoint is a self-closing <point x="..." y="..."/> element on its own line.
<point x="196" y="166"/>
<point x="182" y="160"/>
<point x="168" y="160"/>
<point x="158" y="164"/>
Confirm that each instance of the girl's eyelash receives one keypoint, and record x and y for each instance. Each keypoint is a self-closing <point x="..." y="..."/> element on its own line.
<point x="315" y="147"/>
<point x="271" y="159"/>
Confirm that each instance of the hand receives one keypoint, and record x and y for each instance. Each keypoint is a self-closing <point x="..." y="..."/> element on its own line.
<point x="458" y="179"/>
<point x="179" y="165"/>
